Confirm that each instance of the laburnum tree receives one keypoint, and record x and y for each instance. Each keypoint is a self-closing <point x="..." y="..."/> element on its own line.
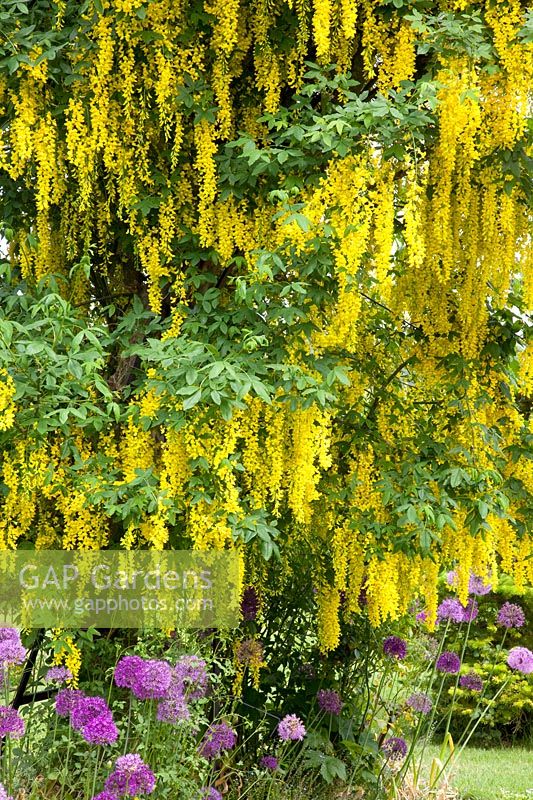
<point x="266" y="285"/>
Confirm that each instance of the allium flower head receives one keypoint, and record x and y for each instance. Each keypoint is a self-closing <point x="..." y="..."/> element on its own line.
<point x="9" y="633"/>
<point x="210" y="793"/>
<point x="3" y="794"/>
<point x="451" y="609"/>
<point x="173" y="710"/>
<point x="11" y="723"/>
<point x="329" y="701"/>
<point x="218" y="737"/>
<point x="105" y="795"/>
<point x="421" y="616"/>
<point x="58" y="675"/>
<point x="511" y="615"/>
<point x="66" y="700"/>
<point x="420" y="702"/>
<point x="249" y="604"/>
<point x="476" y="584"/>
<point x="448" y="662"/>
<point x="190" y="677"/>
<point x="130" y="777"/>
<point x="12" y="651"/>
<point x="394" y="647"/>
<point x="269" y="762"/>
<point x="152" y="680"/>
<point x="84" y="709"/>
<point x="521" y="659"/>
<point x="395" y="748"/>
<point x="471" y="681"/>
<point x="126" y="671"/>
<point x="100" y="730"/>
<point x="291" y="728"/>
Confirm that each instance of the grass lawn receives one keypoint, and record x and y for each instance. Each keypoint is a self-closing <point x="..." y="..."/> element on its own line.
<point x="499" y="774"/>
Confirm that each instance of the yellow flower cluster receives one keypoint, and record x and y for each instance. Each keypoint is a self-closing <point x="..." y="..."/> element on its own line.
<point x="69" y="656"/>
<point x="7" y="406"/>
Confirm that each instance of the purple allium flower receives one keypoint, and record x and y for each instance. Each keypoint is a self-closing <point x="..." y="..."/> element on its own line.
<point x="105" y="795"/>
<point x="210" y="793"/>
<point x="152" y="680"/>
<point x="475" y="584"/>
<point x="190" y="677"/>
<point x="218" y="737"/>
<point x="419" y="701"/>
<point x="126" y="671"/>
<point x="451" y="609"/>
<point x="477" y="587"/>
<point x="472" y="681"/>
<point x="471" y="610"/>
<point x="269" y="762"/>
<point x="12" y="651"/>
<point x="85" y="709"/>
<point x="329" y="701"/>
<point x="394" y="748"/>
<point x="448" y="662"/>
<point x="11" y="723"/>
<point x="173" y="710"/>
<point x="249" y="604"/>
<point x="100" y="730"/>
<point x="9" y="633"/>
<point x="511" y="615"/>
<point x="421" y="616"/>
<point x="291" y="728"/>
<point x="130" y="777"/>
<point x="394" y="647"/>
<point x="4" y="795"/>
<point x="521" y="659"/>
<point x="58" y="675"/>
<point x="66" y="700"/>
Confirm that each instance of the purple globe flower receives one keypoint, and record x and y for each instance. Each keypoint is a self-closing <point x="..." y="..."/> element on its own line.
<point x="100" y="730"/>
<point x="511" y="615"/>
<point x="421" y="616"/>
<point x="85" y="709"/>
<point x="4" y="795"/>
<point x="190" y="678"/>
<point x="448" y="662"/>
<point x="249" y="604"/>
<point x="291" y="728"/>
<point x="66" y="700"/>
<point x="269" y="762"/>
<point x="173" y="710"/>
<point x="329" y="701"/>
<point x="471" y="610"/>
<point x="126" y="671"/>
<point x="218" y="737"/>
<point x="12" y="651"/>
<point x="130" y="777"/>
<point x="419" y="702"/>
<point x="477" y="586"/>
<point x="395" y="748"/>
<point x="451" y="609"/>
<point x="394" y="647"/>
<point x="210" y="793"/>
<point x="521" y="659"/>
<point x="11" y="723"/>
<point x="58" y="675"/>
<point x="471" y="681"/>
<point x="152" y="680"/>
<point x="9" y="633"/>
